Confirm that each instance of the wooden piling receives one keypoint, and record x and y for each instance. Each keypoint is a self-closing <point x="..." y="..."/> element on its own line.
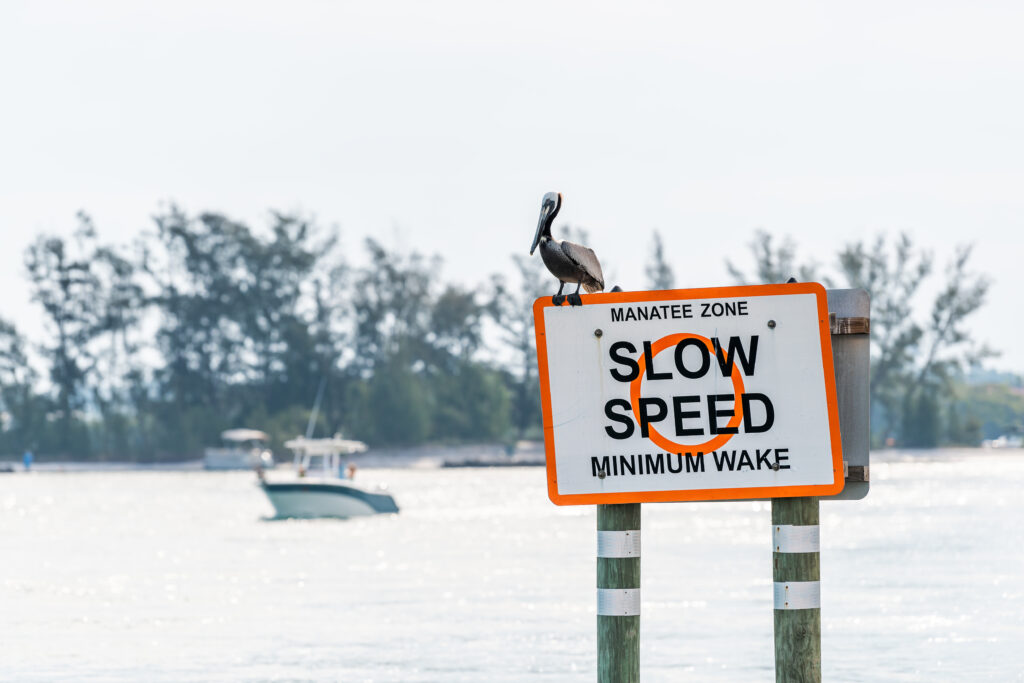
<point x="618" y="593"/>
<point x="797" y="576"/>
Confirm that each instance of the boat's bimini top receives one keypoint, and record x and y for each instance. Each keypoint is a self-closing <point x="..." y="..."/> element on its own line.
<point x="325" y="446"/>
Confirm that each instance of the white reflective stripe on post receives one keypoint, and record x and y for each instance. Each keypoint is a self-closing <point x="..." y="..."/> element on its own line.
<point x="790" y="538"/>
<point x="797" y="594"/>
<point x="618" y="543"/>
<point x="618" y="602"/>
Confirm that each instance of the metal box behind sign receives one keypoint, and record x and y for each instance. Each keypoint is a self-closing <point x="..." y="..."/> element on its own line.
<point x="849" y="318"/>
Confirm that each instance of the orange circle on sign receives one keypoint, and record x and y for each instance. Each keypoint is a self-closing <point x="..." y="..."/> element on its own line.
<point x="653" y="434"/>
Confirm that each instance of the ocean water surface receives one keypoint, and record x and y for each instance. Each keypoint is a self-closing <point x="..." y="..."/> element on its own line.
<point x="179" y="576"/>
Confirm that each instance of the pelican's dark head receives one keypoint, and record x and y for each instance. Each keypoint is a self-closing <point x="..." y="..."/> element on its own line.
<point x="549" y="207"/>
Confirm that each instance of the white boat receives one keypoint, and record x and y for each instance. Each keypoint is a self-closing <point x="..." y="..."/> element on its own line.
<point x="318" y="487"/>
<point x="242" y="449"/>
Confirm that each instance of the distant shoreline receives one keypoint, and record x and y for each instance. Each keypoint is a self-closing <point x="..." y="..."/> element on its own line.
<point x="526" y="454"/>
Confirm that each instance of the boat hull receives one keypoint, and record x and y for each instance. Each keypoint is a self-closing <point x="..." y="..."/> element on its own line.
<point x="326" y="499"/>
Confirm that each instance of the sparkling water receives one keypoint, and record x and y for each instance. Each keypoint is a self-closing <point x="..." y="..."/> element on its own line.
<point x="179" y="576"/>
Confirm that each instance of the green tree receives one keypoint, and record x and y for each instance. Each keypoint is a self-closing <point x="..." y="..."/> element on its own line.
<point x="397" y="410"/>
<point x="67" y="288"/>
<point x="391" y="304"/>
<point x="121" y="306"/>
<point x="921" y="420"/>
<point x="512" y="309"/>
<point x="659" y="272"/>
<point x="330" y="335"/>
<point x="242" y="332"/>
<point x="469" y="397"/>
<point x="418" y="355"/>
<point x="774" y="262"/>
<point x="914" y="361"/>
<point x="455" y="326"/>
<point x="471" y="403"/>
<point x="986" y="411"/>
<point x="192" y="264"/>
<point x="23" y="411"/>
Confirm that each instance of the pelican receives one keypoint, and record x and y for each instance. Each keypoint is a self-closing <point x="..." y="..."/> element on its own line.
<point x="570" y="263"/>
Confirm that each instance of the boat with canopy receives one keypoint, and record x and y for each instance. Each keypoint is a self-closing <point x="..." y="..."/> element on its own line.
<point x="319" y="487"/>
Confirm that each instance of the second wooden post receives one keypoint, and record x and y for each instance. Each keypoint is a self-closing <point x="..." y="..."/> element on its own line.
<point x="797" y="574"/>
<point x="618" y="593"/>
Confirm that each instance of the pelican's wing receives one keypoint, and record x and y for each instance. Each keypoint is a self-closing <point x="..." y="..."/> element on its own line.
<point x="585" y="258"/>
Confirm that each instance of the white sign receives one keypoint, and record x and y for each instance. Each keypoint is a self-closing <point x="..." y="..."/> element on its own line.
<point x="698" y="394"/>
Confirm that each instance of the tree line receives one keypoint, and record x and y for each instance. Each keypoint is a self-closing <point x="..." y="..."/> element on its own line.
<point x="921" y="342"/>
<point x="922" y="349"/>
<point x="152" y="348"/>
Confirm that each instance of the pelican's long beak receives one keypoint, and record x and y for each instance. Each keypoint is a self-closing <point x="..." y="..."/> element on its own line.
<point x="549" y="207"/>
<point x="536" y="238"/>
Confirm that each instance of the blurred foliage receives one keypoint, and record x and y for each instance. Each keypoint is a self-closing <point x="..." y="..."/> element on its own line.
<point x="986" y="411"/>
<point x="204" y="324"/>
<point x="659" y="272"/>
<point x="512" y="308"/>
<point x="151" y="349"/>
<point x="921" y="346"/>
<point x="775" y="261"/>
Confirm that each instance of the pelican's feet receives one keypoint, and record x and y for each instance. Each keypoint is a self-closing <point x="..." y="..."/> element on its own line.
<point x="558" y="299"/>
<point x="575" y="300"/>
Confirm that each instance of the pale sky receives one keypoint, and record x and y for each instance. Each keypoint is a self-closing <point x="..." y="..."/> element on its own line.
<point x="439" y="126"/>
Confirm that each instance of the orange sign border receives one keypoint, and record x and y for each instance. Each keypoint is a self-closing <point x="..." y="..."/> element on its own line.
<point x="747" y="291"/>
